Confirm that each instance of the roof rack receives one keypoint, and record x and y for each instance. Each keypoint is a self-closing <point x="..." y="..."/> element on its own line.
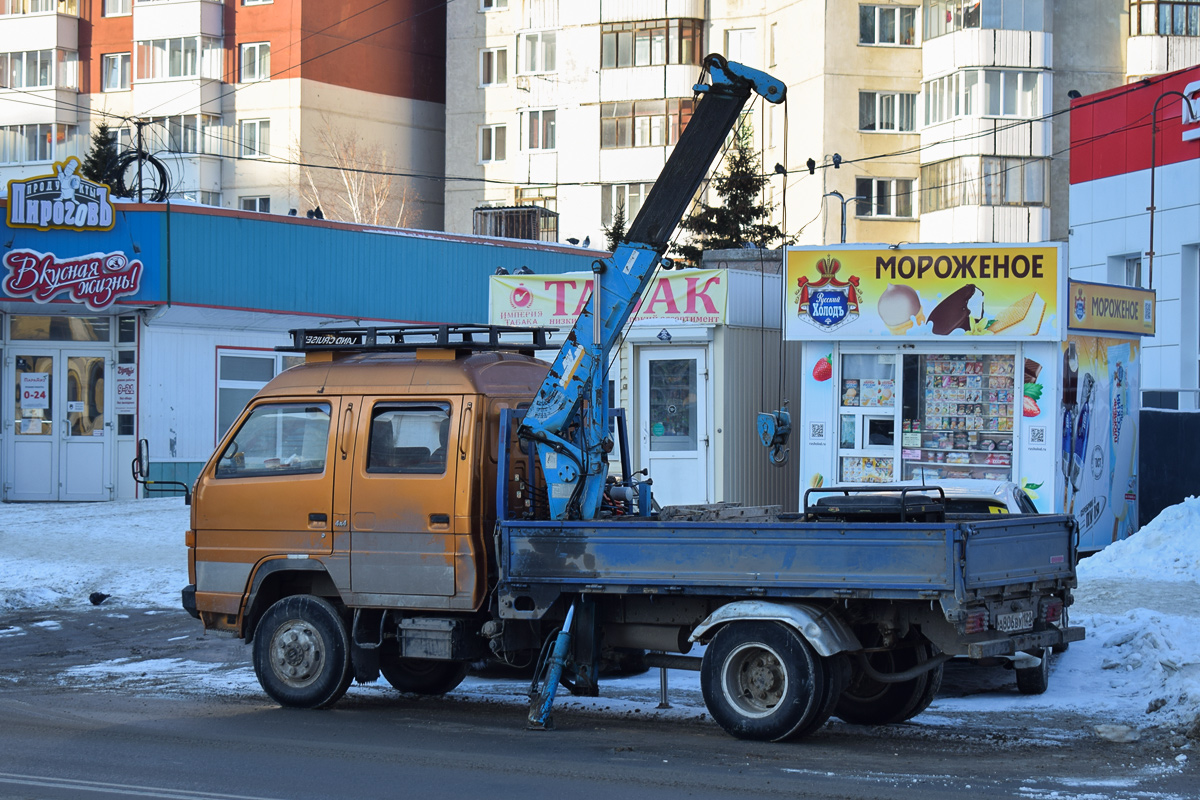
<point x="411" y="338"/>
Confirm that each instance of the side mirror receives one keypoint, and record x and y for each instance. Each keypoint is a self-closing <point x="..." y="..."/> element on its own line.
<point x="141" y="466"/>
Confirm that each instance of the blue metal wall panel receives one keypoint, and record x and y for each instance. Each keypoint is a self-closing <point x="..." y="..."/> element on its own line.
<point x="274" y="264"/>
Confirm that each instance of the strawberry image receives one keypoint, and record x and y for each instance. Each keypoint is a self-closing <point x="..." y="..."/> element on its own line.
<point x="823" y="370"/>
<point x="1030" y="406"/>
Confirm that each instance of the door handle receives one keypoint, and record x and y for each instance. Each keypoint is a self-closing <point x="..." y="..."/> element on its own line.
<point x="345" y="442"/>
<point x="439" y="519"/>
<point x="464" y="429"/>
<point x="317" y="518"/>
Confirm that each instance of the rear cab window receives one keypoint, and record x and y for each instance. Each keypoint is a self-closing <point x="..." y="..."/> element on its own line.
<point x="408" y="439"/>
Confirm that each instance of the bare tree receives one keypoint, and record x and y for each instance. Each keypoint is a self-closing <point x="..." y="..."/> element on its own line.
<point x="349" y="180"/>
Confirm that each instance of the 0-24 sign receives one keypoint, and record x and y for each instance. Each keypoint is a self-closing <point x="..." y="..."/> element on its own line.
<point x="35" y="390"/>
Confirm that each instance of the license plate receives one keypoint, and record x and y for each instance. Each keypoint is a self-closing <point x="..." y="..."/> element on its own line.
<point x="1018" y="621"/>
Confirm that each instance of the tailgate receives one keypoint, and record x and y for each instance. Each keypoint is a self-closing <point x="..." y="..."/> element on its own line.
<point x="1018" y="550"/>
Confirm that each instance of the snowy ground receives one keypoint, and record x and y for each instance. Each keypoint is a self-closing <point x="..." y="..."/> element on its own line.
<point x="1139" y="599"/>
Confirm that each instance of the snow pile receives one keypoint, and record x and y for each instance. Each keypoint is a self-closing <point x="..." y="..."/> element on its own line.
<point x="1167" y="549"/>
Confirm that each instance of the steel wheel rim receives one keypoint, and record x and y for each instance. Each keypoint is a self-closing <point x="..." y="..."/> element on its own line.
<point x="296" y="654"/>
<point x="755" y="680"/>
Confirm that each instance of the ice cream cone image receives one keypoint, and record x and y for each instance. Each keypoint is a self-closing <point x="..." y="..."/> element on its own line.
<point x="907" y="325"/>
<point x="898" y="307"/>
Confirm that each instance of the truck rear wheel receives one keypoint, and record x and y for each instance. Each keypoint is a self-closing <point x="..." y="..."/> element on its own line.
<point x="302" y="653"/>
<point x="420" y="675"/>
<point x="870" y="702"/>
<point x="1035" y="680"/>
<point x="761" y="680"/>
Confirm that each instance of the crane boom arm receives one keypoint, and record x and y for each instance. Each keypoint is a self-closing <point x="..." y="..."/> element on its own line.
<point x="568" y="420"/>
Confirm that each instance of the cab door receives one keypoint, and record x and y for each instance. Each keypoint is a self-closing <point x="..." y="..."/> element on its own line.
<point x="403" y="542"/>
<point x="268" y="492"/>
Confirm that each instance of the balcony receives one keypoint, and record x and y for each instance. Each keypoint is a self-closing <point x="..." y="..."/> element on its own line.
<point x="39" y="31"/>
<point x="162" y="19"/>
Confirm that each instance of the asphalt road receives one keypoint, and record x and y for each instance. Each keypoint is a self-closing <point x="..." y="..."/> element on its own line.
<point x="161" y="721"/>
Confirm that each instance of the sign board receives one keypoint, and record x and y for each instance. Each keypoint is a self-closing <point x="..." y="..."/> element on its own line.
<point x="694" y="295"/>
<point x="64" y="200"/>
<point x="1104" y="308"/>
<point x="126" y="388"/>
<point x="1007" y="292"/>
<point x="96" y="279"/>
<point x="35" y="390"/>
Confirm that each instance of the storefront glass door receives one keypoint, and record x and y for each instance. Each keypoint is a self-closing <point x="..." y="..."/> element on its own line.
<point x="60" y="437"/>
<point x="673" y="413"/>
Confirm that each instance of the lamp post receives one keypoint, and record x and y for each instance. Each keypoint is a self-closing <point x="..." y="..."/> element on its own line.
<point x="1153" y="164"/>
<point x="843" y="200"/>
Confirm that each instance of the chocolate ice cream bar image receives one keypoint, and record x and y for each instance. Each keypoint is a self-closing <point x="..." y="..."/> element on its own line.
<point x="1032" y="370"/>
<point x="958" y="311"/>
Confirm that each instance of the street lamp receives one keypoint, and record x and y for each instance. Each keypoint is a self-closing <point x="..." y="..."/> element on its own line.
<point x="1153" y="163"/>
<point x="843" y="200"/>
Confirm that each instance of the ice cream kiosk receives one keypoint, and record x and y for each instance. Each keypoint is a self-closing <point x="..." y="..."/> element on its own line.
<point x="928" y="362"/>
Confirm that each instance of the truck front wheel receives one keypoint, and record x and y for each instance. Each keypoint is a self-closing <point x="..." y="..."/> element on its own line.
<point x="302" y="653"/>
<point x="761" y="680"/>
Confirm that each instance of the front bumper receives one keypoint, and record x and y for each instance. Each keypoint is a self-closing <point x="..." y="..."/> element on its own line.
<point x="189" y="600"/>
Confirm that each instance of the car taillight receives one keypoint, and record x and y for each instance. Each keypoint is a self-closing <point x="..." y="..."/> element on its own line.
<point x="977" y="621"/>
<point x="1052" y="610"/>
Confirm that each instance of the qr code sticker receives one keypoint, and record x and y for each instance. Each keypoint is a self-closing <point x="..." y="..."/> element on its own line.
<point x="1147" y="310"/>
<point x="816" y="430"/>
<point x="1037" y="435"/>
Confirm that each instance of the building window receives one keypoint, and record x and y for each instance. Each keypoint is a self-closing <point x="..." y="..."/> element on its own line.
<point x="240" y="375"/>
<point x="895" y="25"/>
<point x="492" y="5"/>
<point x="983" y="92"/>
<point x="23" y="144"/>
<point x="184" y="57"/>
<point x="887" y="111"/>
<point x="542" y="196"/>
<point x="201" y="197"/>
<point x="741" y="45"/>
<point x="117" y="8"/>
<point x="115" y="75"/>
<point x="538" y="52"/>
<point x="256" y="2"/>
<point x="1133" y="272"/>
<point x="651" y="42"/>
<point x="184" y="133"/>
<point x="14" y="7"/>
<point x="256" y="62"/>
<point x="255" y="138"/>
<point x="260" y="204"/>
<point x="643" y="123"/>
<point x="947" y="16"/>
<point x="539" y="130"/>
<point x="34" y="69"/>
<point x="771" y="43"/>
<point x="988" y="181"/>
<point x="884" y="197"/>
<point x="628" y="196"/>
<point x="493" y="143"/>
<point x="493" y="66"/>
<point x="1154" y="18"/>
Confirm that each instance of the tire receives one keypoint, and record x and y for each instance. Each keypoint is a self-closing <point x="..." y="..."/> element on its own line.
<point x="933" y="684"/>
<point x="762" y="681"/>
<point x="302" y="653"/>
<point x="869" y="702"/>
<point x="419" y="675"/>
<point x="1035" y="680"/>
<point x="838" y="673"/>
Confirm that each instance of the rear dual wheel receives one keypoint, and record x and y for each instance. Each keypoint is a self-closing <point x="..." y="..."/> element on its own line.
<point x="868" y="701"/>
<point x="761" y="680"/>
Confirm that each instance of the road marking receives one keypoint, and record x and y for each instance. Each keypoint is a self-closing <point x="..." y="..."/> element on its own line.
<point x="120" y="788"/>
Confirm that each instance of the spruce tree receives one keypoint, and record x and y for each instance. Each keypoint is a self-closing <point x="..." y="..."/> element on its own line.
<point x="615" y="233"/>
<point x="739" y="219"/>
<point x="100" y="164"/>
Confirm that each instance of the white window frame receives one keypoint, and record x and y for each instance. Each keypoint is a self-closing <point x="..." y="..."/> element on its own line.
<point x="261" y="203"/>
<point x="257" y="2"/>
<point x="897" y="20"/>
<point x="622" y="194"/>
<point x="153" y="58"/>
<point x="533" y="49"/>
<point x="123" y="8"/>
<point x="969" y="93"/>
<point x="52" y="141"/>
<point x="487" y="136"/>
<point x="493" y="5"/>
<point x="495" y="60"/>
<point x="527" y="120"/>
<point x="124" y="64"/>
<point x="257" y="54"/>
<point x="279" y="362"/>
<point x="254" y="148"/>
<point x="741" y="45"/>
<point x="890" y="104"/>
<point x="1133" y="271"/>
<point x="889" y="187"/>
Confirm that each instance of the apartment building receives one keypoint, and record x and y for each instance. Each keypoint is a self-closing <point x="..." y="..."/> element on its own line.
<point x="939" y="120"/>
<point x="248" y="103"/>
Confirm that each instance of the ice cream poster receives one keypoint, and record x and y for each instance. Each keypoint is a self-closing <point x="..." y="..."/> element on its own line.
<point x="998" y="292"/>
<point x="1098" y="437"/>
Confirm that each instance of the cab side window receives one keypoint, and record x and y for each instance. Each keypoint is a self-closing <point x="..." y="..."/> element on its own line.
<point x="408" y="439"/>
<point x="279" y="439"/>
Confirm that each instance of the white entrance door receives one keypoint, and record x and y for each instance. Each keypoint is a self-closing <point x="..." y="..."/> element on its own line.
<point x="673" y="415"/>
<point x="61" y="442"/>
